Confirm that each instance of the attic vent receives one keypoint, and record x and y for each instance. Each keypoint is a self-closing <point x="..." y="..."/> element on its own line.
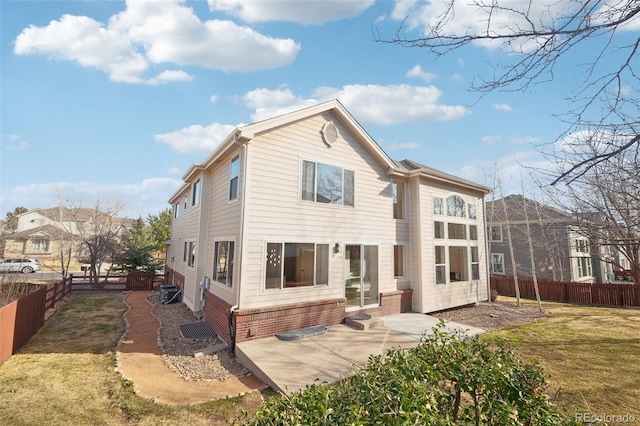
<point x="329" y="133"/>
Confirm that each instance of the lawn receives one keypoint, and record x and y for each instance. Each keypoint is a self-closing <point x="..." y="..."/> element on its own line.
<point x="66" y="372"/>
<point x="591" y="356"/>
<point x="66" y="375"/>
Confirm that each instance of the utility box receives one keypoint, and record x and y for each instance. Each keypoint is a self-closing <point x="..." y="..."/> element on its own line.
<point x="169" y="293"/>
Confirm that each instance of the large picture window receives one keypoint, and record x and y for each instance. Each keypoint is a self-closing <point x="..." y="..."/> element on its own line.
<point x="327" y="184"/>
<point x="455" y="206"/>
<point x="290" y="265"/>
<point x="223" y="266"/>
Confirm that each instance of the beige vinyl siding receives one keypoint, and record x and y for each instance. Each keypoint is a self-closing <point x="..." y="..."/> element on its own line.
<point x="276" y="213"/>
<point x="416" y="254"/>
<point x="434" y="296"/>
<point x="224" y="218"/>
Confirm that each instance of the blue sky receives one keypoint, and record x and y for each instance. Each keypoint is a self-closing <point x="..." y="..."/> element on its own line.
<point x="113" y="101"/>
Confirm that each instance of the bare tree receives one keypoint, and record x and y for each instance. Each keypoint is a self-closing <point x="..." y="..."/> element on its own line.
<point x="605" y="200"/>
<point x="538" y="36"/>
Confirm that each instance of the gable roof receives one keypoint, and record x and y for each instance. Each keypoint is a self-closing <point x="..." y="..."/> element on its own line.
<point x="245" y="133"/>
<point x="535" y="211"/>
<point x="41" y="231"/>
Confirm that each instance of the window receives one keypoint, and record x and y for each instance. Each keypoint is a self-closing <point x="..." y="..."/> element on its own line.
<point x="223" y="266"/>
<point x="195" y="193"/>
<point x="441" y="265"/>
<point x="472" y="211"/>
<point x="438" y="205"/>
<point x="497" y="263"/>
<point x="398" y="261"/>
<point x="327" y="184"/>
<point x="185" y="203"/>
<point x="473" y="232"/>
<point x="438" y="229"/>
<point x="582" y="246"/>
<point x="457" y="231"/>
<point x="584" y="267"/>
<point x="455" y="206"/>
<point x="233" y="178"/>
<point x="398" y="200"/>
<point x="191" y="259"/>
<point x="185" y="253"/>
<point x="40" y="245"/>
<point x="458" y="264"/>
<point x="290" y="265"/>
<point x="176" y="210"/>
<point x="475" y="264"/>
<point x="496" y="233"/>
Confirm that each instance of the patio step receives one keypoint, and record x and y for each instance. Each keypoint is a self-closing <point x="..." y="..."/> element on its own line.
<point x="363" y="324"/>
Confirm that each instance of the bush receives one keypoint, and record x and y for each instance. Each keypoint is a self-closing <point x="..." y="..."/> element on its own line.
<point x="445" y="380"/>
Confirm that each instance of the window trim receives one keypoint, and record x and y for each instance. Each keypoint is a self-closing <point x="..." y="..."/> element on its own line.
<point x="234" y="178"/>
<point x="398" y="197"/>
<point x="229" y="262"/>
<point x="196" y="192"/>
<point x="305" y="196"/>
<point x="282" y="244"/>
<point x="493" y="269"/>
<point x="403" y="252"/>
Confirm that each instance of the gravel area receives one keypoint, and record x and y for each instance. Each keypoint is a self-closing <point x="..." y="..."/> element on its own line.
<point x="179" y="352"/>
<point x="492" y="316"/>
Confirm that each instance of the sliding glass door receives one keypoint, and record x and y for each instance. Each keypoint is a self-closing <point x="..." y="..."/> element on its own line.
<point x="361" y="274"/>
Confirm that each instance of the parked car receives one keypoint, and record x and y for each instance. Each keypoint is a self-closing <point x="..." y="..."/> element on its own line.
<point x="20" y="265"/>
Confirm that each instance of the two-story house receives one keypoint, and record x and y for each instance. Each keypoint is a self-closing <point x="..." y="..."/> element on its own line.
<point x="303" y="220"/>
<point x="561" y="251"/>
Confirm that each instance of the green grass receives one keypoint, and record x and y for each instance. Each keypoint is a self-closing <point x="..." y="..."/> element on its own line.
<point x="66" y="375"/>
<point x="591" y="356"/>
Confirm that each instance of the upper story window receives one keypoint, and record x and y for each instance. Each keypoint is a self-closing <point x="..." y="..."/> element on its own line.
<point x="438" y="205"/>
<point x="176" y="210"/>
<point x="233" y="178"/>
<point x="398" y="199"/>
<point x="496" y="233"/>
<point x="455" y="206"/>
<point x="327" y="184"/>
<point x="472" y="211"/>
<point x="582" y="246"/>
<point x="195" y="193"/>
<point x="185" y="203"/>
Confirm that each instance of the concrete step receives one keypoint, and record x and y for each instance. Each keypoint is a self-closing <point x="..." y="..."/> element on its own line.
<point x="363" y="324"/>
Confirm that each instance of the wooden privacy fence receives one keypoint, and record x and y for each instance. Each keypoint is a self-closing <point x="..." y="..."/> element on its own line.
<point x="570" y="292"/>
<point x="21" y="319"/>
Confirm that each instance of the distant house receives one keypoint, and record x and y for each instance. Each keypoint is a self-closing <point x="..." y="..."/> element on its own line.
<point x="561" y="251"/>
<point x="42" y="233"/>
<point x="303" y="219"/>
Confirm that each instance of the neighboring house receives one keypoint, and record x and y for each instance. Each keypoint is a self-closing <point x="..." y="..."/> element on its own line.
<point x="561" y="251"/>
<point x="42" y="233"/>
<point x="302" y="220"/>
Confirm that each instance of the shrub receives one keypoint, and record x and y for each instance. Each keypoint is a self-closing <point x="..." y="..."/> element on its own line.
<point x="445" y="380"/>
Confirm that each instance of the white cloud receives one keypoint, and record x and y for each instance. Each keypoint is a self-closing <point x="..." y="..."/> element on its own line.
<point x="174" y="171"/>
<point x="418" y="72"/>
<point x="302" y="12"/>
<point x="469" y="19"/>
<point x="213" y="99"/>
<point x="153" y="33"/>
<point x="196" y="138"/>
<point x="148" y="196"/>
<point x="394" y="146"/>
<point x="455" y="77"/>
<point x="370" y="104"/>
<point x="18" y="146"/>
<point x="525" y="140"/>
<point x="15" y="142"/>
<point x="491" y="139"/>
<point x="502" y="107"/>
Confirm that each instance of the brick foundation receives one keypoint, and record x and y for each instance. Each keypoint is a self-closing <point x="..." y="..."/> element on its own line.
<point x="264" y="322"/>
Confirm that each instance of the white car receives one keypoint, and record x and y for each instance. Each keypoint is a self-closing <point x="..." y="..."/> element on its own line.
<point x="20" y="265"/>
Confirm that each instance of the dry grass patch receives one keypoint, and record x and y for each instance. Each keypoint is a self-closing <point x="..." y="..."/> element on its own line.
<point x="66" y="375"/>
<point x="590" y="354"/>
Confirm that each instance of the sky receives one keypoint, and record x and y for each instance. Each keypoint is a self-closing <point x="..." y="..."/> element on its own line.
<point x="110" y="102"/>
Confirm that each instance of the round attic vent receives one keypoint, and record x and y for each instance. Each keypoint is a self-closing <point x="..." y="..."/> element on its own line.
<point x="329" y="133"/>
